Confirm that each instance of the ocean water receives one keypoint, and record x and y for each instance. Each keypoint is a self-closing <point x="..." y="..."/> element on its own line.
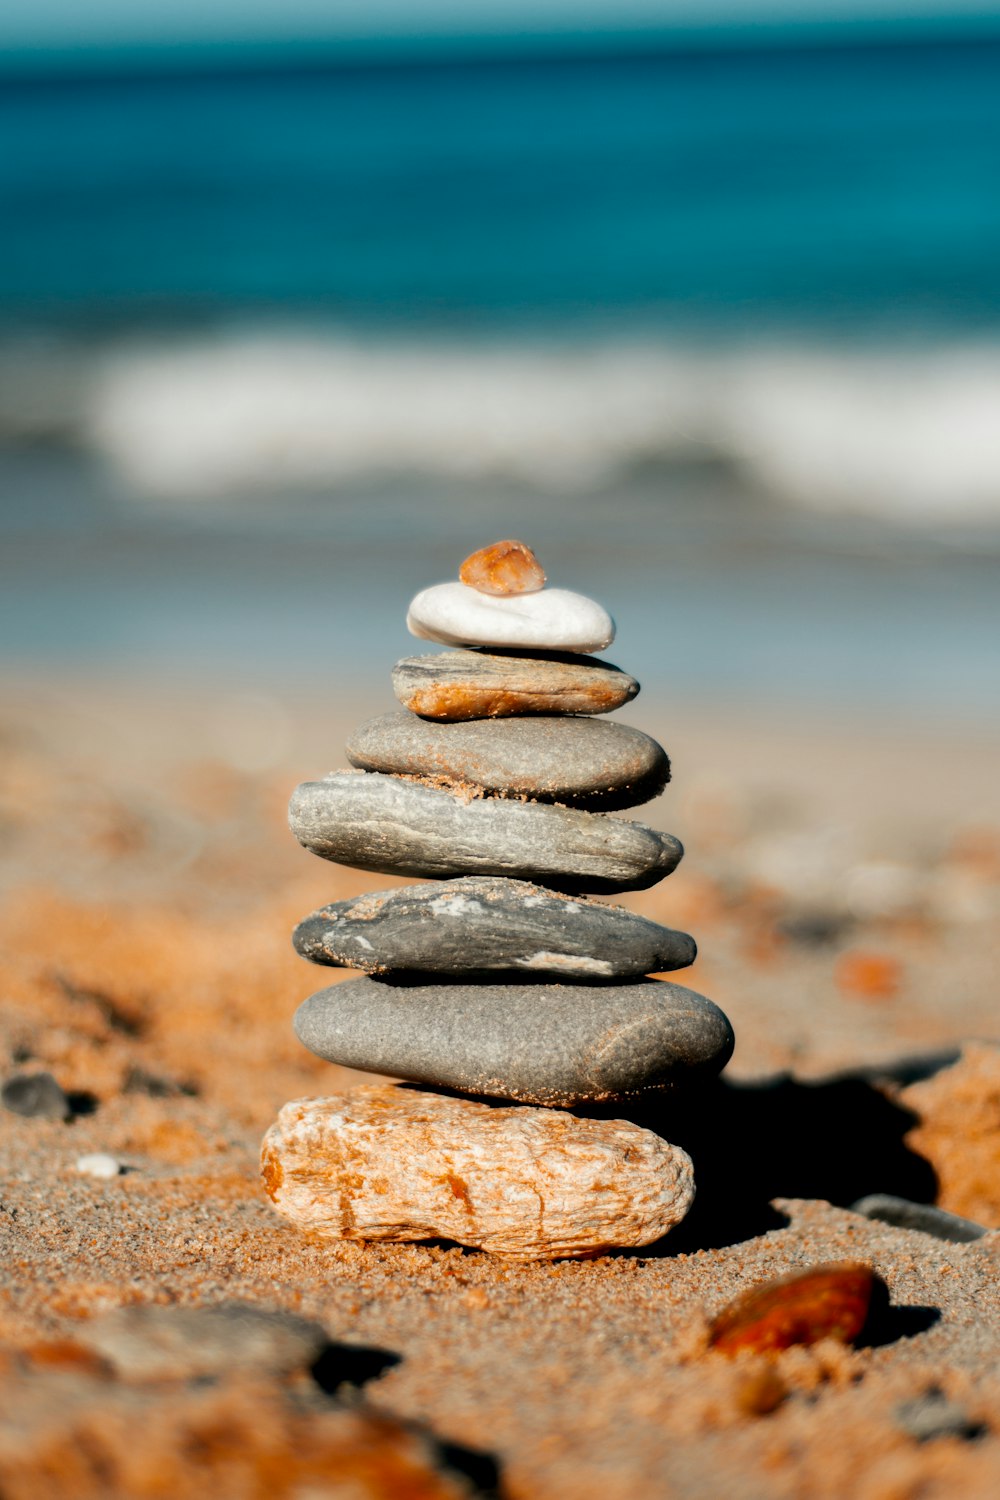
<point x="719" y="328"/>
<point x="828" y="186"/>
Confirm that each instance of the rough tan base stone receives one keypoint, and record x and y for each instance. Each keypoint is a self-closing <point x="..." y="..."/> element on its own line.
<point x="390" y="1163"/>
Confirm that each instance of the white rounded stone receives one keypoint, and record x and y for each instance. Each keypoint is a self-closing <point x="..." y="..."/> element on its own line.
<point x="551" y="620"/>
<point x="98" y="1164"/>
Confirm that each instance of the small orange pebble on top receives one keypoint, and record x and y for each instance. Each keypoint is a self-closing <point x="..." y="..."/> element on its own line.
<point x="870" y="976"/>
<point x="503" y="568"/>
<point x="826" y="1302"/>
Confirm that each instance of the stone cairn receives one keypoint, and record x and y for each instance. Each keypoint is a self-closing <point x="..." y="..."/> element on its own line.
<point x="499" y="980"/>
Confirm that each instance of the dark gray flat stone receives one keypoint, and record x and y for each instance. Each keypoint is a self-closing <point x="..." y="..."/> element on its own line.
<point x="923" y="1216"/>
<point x="488" y="685"/>
<point x="36" y="1095"/>
<point x="401" y="827"/>
<point x="480" y="924"/>
<point x="554" y="1044"/>
<point x="581" y="762"/>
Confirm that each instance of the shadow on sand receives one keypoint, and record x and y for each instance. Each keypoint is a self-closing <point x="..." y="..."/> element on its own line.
<point x="837" y="1139"/>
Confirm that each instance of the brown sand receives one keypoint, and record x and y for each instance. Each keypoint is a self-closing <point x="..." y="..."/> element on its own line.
<point x="844" y="888"/>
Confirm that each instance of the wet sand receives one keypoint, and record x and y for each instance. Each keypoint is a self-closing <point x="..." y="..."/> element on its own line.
<point x="843" y="882"/>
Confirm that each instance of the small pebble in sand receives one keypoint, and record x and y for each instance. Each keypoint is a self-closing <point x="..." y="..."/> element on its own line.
<point x="36" y="1095"/>
<point x="868" y="976"/>
<point x="551" y="620"/>
<point x="922" y="1216"/>
<point x="98" y="1164"/>
<point x="389" y="1163"/>
<point x="760" y="1391"/>
<point x="503" y="568"/>
<point x="933" y="1416"/>
<point x="154" y="1342"/>
<point x="825" y="1302"/>
<point x="67" y="1356"/>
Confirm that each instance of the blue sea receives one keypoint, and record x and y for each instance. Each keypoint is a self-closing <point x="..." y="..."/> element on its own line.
<point x="845" y="187"/>
<point x="282" y="336"/>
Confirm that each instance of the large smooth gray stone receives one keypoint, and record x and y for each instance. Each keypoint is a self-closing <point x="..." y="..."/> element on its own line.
<point x="386" y="823"/>
<point x="482" y="924"/>
<point x="555" y="1044"/>
<point x="579" y="761"/>
<point x="454" y="685"/>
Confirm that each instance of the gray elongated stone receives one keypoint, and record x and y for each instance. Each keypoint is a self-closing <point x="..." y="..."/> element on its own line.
<point x="553" y="1044"/>
<point x="481" y="924"/>
<point x="932" y="1416"/>
<point x="387" y="823"/>
<point x="578" y="761"/>
<point x="455" y="685"/>
<point x="905" y="1214"/>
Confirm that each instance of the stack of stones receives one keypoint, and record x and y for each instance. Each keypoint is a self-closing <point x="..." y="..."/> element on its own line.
<point x="500" y="980"/>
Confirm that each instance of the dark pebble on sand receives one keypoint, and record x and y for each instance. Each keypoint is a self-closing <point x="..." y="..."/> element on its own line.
<point x="37" y="1096"/>
<point x="903" y="1214"/>
<point x="933" y="1416"/>
<point x="154" y="1342"/>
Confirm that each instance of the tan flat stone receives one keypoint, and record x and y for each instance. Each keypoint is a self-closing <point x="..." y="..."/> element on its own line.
<point x="456" y="685"/>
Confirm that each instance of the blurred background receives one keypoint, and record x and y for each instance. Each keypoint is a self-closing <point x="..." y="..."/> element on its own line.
<point x="301" y="302"/>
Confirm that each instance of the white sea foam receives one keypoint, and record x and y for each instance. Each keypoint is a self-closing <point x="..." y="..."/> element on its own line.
<point x="911" y="434"/>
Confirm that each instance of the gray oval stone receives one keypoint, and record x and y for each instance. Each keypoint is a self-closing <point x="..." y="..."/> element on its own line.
<point x="482" y="924"/>
<point x="387" y="823"/>
<point x="553" y="1044"/>
<point x="488" y="685"/>
<point x="579" y="761"/>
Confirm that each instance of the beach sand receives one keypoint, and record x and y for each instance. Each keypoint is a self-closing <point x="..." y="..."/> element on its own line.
<point x="843" y="881"/>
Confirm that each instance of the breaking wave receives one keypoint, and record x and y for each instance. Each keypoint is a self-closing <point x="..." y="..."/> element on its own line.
<point x="906" y="434"/>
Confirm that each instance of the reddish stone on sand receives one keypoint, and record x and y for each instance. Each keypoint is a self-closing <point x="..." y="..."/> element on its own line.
<point x="503" y="568"/>
<point x="825" y="1302"/>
